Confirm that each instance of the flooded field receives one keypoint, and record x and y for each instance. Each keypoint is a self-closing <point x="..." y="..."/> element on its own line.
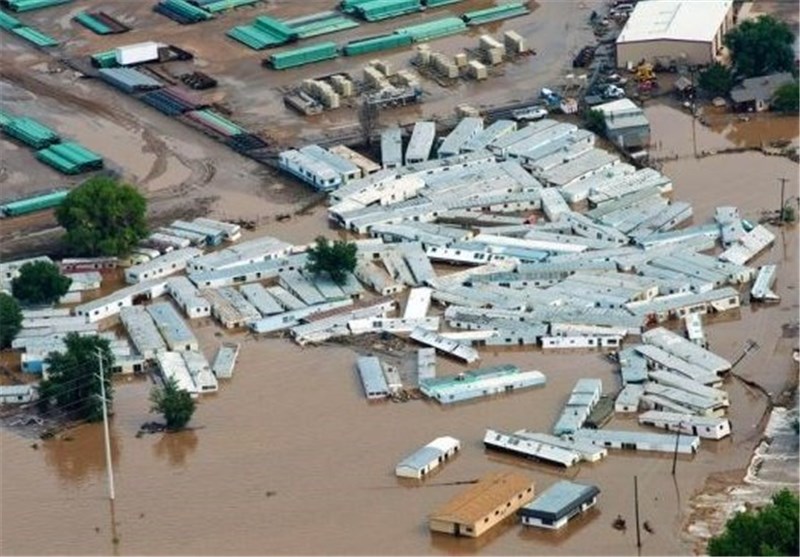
<point x="288" y="458"/>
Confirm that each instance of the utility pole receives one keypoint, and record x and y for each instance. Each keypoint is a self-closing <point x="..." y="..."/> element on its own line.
<point x="109" y="468"/>
<point x="636" y="508"/>
<point x="694" y="118"/>
<point x="783" y="193"/>
<point x="675" y="453"/>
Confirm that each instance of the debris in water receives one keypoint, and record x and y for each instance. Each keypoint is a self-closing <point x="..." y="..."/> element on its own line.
<point x="35" y="446"/>
<point x="97" y="529"/>
<point x="141" y="515"/>
<point x="151" y="427"/>
<point x="271" y="493"/>
<point x="619" y="523"/>
<point x="648" y="528"/>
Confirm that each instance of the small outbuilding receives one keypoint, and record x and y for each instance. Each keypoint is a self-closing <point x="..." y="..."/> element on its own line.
<point x="421" y="463"/>
<point x="755" y="94"/>
<point x="558" y="504"/>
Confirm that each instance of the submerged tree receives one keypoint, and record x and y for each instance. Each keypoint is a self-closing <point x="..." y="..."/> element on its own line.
<point x="772" y="530"/>
<point x="10" y="320"/>
<point x="176" y="405"/>
<point x="40" y="282"/>
<point x="596" y="121"/>
<point x="73" y="382"/>
<point x="761" y="46"/>
<point x="787" y="98"/>
<point x="717" y="80"/>
<point x="336" y="259"/>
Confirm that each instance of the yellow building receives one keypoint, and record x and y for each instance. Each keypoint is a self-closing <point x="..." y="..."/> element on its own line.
<point x="675" y="32"/>
<point x="494" y="498"/>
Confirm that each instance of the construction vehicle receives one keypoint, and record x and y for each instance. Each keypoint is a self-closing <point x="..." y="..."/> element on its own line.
<point x="644" y="72"/>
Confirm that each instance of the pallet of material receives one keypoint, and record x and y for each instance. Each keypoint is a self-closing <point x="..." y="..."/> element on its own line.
<point x="101" y="23"/>
<point x="28" y="5"/>
<point x="182" y="11"/>
<point x="302" y="56"/>
<point x="198" y="81"/>
<point x="34" y="36"/>
<point x="503" y="11"/>
<point x="70" y="158"/>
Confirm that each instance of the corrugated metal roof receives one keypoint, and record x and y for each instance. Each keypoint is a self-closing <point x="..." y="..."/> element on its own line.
<point x="675" y="20"/>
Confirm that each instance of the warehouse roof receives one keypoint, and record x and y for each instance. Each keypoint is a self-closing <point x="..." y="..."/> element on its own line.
<point x="488" y="494"/>
<point x="675" y="20"/>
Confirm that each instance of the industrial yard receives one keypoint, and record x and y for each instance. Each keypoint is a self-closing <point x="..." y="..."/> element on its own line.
<point x="534" y="311"/>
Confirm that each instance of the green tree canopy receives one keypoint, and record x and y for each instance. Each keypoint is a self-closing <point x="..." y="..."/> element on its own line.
<point x="103" y="217"/>
<point x="787" y="98"/>
<point x="176" y="405"/>
<point x="40" y="282"/>
<point x="73" y="384"/>
<point x="10" y="320"/>
<point x="717" y="80"/>
<point x="761" y="46"/>
<point x="336" y="259"/>
<point x="772" y="530"/>
<point x="596" y="121"/>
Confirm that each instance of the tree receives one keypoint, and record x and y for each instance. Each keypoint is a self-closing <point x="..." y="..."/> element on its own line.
<point x="176" y="405"/>
<point x="717" y="80"/>
<point x="787" y="98"/>
<point x="39" y="282"/>
<point x="73" y="384"/>
<point x="336" y="259"/>
<point x="761" y="46"/>
<point x="103" y="217"/>
<point x="596" y="121"/>
<point x="772" y="530"/>
<point x="10" y="320"/>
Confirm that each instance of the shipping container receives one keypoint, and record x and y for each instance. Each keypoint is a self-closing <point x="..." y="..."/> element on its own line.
<point x="136" y="53"/>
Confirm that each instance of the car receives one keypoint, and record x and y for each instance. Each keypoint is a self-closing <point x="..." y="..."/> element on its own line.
<point x="613" y="92"/>
<point x="531" y="113"/>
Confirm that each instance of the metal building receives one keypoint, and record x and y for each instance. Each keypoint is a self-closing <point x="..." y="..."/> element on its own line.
<point x="558" y="504"/>
<point x="674" y="32"/>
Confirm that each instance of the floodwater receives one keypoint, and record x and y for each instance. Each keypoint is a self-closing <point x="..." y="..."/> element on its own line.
<point x="289" y="458"/>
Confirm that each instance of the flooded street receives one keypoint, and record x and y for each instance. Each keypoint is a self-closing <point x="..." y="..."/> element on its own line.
<point x="289" y="458"/>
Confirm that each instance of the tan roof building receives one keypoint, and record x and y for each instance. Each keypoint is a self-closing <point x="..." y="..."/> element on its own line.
<point x="473" y="512"/>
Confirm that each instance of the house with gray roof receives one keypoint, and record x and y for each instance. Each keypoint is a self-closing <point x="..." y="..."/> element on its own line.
<point x="755" y="93"/>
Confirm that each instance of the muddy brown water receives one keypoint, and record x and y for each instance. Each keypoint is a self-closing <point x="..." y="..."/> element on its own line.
<point x="288" y="458"/>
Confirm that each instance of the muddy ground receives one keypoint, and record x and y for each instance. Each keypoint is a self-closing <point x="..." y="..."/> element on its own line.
<point x="184" y="172"/>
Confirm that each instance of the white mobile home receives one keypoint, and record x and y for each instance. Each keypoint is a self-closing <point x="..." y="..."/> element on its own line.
<point x="371" y="372"/>
<point x="178" y="336"/>
<point x="110" y="305"/>
<point x="188" y="298"/>
<point x="421" y="142"/>
<point x="422" y="462"/>
<point x="162" y="266"/>
<point x="702" y="426"/>
<point x="143" y="331"/>
<point x="527" y="448"/>
<point x="638" y="441"/>
<point x="312" y="171"/>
